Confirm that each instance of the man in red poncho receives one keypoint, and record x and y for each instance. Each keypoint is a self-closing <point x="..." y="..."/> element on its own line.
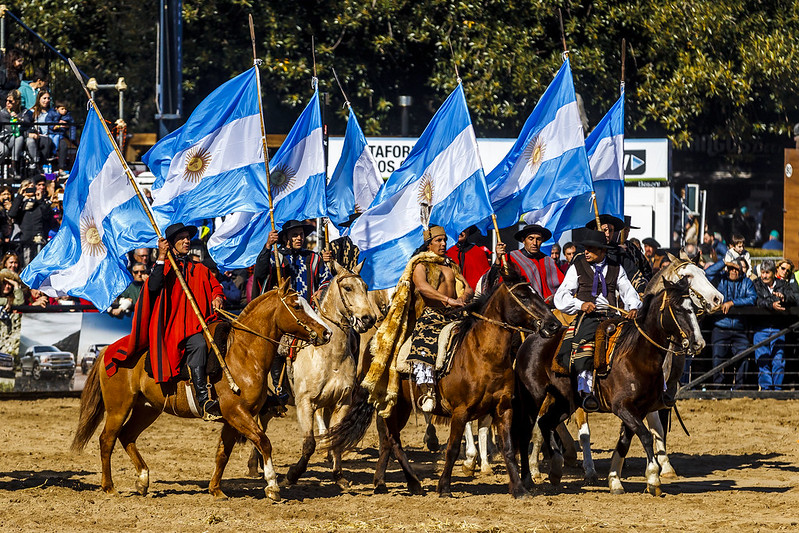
<point x="540" y="269"/>
<point x="472" y="259"/>
<point x="164" y="322"/>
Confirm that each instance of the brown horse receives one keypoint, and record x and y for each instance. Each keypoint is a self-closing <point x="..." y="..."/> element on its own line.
<point x="632" y="388"/>
<point x="132" y="400"/>
<point x="480" y="382"/>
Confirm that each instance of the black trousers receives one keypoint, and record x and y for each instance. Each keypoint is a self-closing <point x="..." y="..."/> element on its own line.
<point x="196" y="351"/>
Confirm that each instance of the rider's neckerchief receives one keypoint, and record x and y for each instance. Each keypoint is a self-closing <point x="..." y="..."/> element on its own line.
<point x="533" y="255"/>
<point x="599" y="286"/>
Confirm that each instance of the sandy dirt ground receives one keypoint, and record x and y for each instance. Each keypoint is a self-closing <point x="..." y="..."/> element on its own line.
<point x="739" y="472"/>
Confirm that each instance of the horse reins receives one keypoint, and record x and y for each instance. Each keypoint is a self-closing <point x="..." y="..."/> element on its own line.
<point x="663" y="305"/>
<point x="347" y="315"/>
<point x="238" y="325"/>
<point x="511" y="326"/>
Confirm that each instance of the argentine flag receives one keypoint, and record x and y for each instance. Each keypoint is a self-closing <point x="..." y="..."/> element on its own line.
<point x="605" y="149"/>
<point x="297" y="177"/>
<point x="356" y="180"/>
<point x="547" y="162"/>
<point x="214" y="164"/>
<point x="103" y="220"/>
<point x="442" y="176"/>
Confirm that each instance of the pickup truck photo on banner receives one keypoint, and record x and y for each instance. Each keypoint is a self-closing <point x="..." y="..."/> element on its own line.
<point x="54" y="351"/>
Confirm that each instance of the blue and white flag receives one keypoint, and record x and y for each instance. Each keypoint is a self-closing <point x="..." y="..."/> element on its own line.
<point x="103" y="219"/>
<point x="297" y="178"/>
<point x="441" y="180"/>
<point x="548" y="161"/>
<point x="356" y="180"/>
<point x="214" y="164"/>
<point x="605" y="149"/>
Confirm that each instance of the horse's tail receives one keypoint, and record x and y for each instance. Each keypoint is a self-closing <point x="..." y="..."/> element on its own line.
<point x="351" y="429"/>
<point x="92" y="408"/>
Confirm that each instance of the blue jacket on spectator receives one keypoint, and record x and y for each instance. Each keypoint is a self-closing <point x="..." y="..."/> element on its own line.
<point x="715" y="272"/>
<point x="741" y="293"/>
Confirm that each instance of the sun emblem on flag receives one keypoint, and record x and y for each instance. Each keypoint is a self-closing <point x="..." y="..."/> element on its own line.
<point x="90" y="239"/>
<point x="281" y="178"/>
<point x="426" y="190"/>
<point x="534" y="153"/>
<point x="197" y="161"/>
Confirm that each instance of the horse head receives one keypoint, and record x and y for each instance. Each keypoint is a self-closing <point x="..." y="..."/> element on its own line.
<point x="350" y="298"/>
<point x="679" y="319"/>
<point x="703" y="294"/>
<point x="527" y="307"/>
<point x="296" y="317"/>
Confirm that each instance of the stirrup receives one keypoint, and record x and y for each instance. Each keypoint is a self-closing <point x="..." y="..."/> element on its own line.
<point x="427" y="400"/>
<point x="590" y="403"/>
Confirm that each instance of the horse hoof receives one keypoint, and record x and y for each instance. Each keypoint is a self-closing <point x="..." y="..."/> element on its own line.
<point x="343" y="483"/>
<point x="487" y="471"/>
<point x="432" y="443"/>
<point x="617" y="491"/>
<point x="141" y="489"/>
<point x="416" y="490"/>
<point x="253" y="473"/>
<point x="273" y="493"/>
<point x="554" y="481"/>
<point x="220" y="496"/>
<point x="111" y="491"/>
<point x="287" y="482"/>
<point x="445" y="494"/>
<point x="469" y="470"/>
<point x="669" y="474"/>
<point x="654" y="490"/>
<point x="381" y="489"/>
<point x="591" y="479"/>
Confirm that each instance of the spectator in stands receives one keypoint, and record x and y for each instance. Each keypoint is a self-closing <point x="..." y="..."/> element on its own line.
<point x="11" y="262"/>
<point x="10" y="291"/>
<point x="569" y="249"/>
<point x="11" y="72"/>
<point x="729" y="333"/>
<point x="554" y="253"/>
<point x="737" y="251"/>
<point x="690" y="252"/>
<point x="13" y="132"/>
<point x="6" y="222"/>
<point x="38" y="143"/>
<point x="652" y="253"/>
<point x="126" y="301"/>
<point x="143" y="256"/>
<point x="775" y="295"/>
<point x="785" y="272"/>
<point x="30" y="89"/>
<point x="710" y="262"/>
<point x="31" y="211"/>
<point x="65" y="129"/>
<point x="773" y="242"/>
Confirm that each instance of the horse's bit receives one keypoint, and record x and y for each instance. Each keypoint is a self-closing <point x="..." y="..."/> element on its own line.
<point x="510" y="326"/>
<point x="685" y="343"/>
<point x="347" y="312"/>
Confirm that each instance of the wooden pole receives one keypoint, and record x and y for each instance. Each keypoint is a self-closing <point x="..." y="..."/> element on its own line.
<point x="563" y="36"/>
<point x="502" y="258"/>
<point x="146" y="206"/>
<point x="255" y="62"/>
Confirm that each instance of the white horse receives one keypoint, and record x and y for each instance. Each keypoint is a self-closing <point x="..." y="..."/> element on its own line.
<point x="706" y="299"/>
<point x="324" y="378"/>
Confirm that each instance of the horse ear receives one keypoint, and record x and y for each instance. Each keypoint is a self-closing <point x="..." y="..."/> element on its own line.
<point x="284" y="287"/>
<point x="668" y="284"/>
<point x="335" y="267"/>
<point x="696" y="259"/>
<point x="671" y="257"/>
<point x="357" y="269"/>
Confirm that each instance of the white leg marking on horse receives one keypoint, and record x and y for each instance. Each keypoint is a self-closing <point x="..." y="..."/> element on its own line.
<point x="269" y="474"/>
<point x="614" y="476"/>
<point x="653" y="473"/>
<point x="471" y="451"/>
<point x="321" y="427"/>
<point x="483" y="427"/>
<point x="538" y="441"/>
<point x="658" y="433"/>
<point x="588" y="460"/>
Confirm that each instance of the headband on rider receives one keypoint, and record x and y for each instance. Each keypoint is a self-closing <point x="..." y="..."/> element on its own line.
<point x="432" y="232"/>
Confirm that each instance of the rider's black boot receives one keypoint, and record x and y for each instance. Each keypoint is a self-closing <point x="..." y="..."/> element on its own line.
<point x="278" y="363"/>
<point x="210" y="408"/>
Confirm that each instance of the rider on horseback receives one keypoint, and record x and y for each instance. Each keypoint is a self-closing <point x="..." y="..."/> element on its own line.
<point x="591" y="289"/>
<point x="634" y="263"/>
<point x="435" y="283"/>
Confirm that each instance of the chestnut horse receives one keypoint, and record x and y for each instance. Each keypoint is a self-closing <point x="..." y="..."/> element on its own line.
<point x="480" y="382"/>
<point x="132" y="400"/>
<point x="632" y="388"/>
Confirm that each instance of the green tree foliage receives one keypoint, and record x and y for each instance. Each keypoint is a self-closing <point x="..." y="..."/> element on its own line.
<point x="693" y="68"/>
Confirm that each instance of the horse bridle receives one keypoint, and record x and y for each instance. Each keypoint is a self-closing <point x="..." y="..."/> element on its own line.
<point x="528" y="331"/>
<point x="238" y="325"/>
<point x="685" y="343"/>
<point x="347" y="312"/>
<point x="311" y="333"/>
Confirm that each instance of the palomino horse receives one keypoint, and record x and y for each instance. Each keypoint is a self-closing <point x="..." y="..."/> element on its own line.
<point x="632" y="388"/>
<point x="706" y="299"/>
<point x="480" y="382"/>
<point x="132" y="400"/>
<point x="324" y="376"/>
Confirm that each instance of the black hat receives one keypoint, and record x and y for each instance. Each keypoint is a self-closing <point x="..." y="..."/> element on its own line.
<point x="628" y="222"/>
<point x="37" y="178"/>
<point x="649" y="241"/>
<point x="616" y="222"/>
<point x="307" y="228"/>
<point x="174" y="229"/>
<point x="533" y="228"/>
<point x="471" y="230"/>
<point x="594" y="238"/>
<point x="350" y="219"/>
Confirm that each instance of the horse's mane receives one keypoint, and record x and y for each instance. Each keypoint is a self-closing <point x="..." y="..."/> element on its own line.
<point x="629" y="334"/>
<point x="494" y="281"/>
<point x="250" y="308"/>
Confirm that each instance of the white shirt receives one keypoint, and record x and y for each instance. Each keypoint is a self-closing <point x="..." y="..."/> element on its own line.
<point x="566" y="302"/>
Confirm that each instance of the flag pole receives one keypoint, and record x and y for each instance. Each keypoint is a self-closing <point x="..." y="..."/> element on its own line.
<point x="622" y="237"/>
<point x="256" y="62"/>
<point x="146" y="206"/>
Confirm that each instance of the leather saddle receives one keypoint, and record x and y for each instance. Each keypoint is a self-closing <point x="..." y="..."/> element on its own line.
<point x="445" y="351"/>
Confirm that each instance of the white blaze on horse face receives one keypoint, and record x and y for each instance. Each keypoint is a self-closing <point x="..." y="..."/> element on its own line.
<point x="311" y="313"/>
<point x="696" y="332"/>
<point x="711" y="299"/>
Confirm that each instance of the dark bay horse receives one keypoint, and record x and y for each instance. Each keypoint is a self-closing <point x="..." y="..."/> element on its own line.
<point x="131" y="400"/>
<point x="480" y="382"/>
<point x="632" y="388"/>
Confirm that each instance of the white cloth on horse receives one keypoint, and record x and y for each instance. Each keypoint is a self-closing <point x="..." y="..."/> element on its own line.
<point x="423" y="374"/>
